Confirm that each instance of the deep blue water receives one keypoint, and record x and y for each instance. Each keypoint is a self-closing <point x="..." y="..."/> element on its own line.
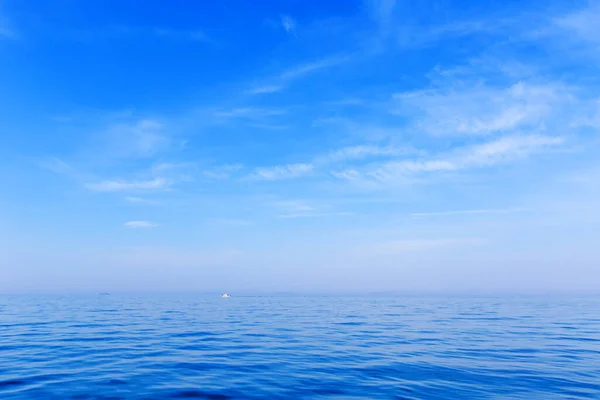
<point x="161" y="347"/>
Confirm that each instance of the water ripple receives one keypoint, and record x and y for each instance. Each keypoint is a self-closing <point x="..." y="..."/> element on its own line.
<point x="118" y="347"/>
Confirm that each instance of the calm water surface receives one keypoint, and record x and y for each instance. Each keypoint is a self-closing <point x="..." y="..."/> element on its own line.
<point x="161" y="347"/>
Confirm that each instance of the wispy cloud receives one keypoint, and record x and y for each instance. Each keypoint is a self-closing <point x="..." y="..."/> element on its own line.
<point x="591" y="118"/>
<point x="140" y="224"/>
<point x="222" y="171"/>
<point x="162" y="167"/>
<point x="314" y="215"/>
<point x="482" y="155"/>
<point x="381" y="11"/>
<point x="293" y="205"/>
<point x="504" y="149"/>
<point x="281" y="172"/>
<point x="416" y="36"/>
<point x="265" y="89"/>
<point x="143" y="138"/>
<point x="58" y="166"/>
<point x="175" y="172"/>
<point x="6" y="30"/>
<point x="480" y="110"/>
<point x="583" y="23"/>
<point x="228" y="222"/>
<point x="122" y="185"/>
<point x="349" y="174"/>
<point x="282" y="80"/>
<point x="298" y="208"/>
<point x="307" y="68"/>
<point x="253" y="113"/>
<point x="288" y="24"/>
<point x="347" y="101"/>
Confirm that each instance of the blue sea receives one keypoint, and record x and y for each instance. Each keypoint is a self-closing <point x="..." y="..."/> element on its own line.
<point x="294" y="347"/>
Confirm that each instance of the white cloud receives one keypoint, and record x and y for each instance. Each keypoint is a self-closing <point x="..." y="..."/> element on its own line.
<point x="140" y="224"/>
<point x="314" y="215"/>
<point x="591" y="117"/>
<point x="477" y="156"/>
<point x="284" y="79"/>
<point x="293" y="205"/>
<point x="175" y="172"/>
<point x="200" y="36"/>
<point x="58" y="166"/>
<point x="265" y="89"/>
<point x="423" y="35"/>
<point x="288" y="24"/>
<point x="121" y="185"/>
<point x="481" y="110"/>
<point x="228" y="222"/>
<point x="6" y="31"/>
<point x="147" y="136"/>
<point x="349" y="174"/>
<point x="381" y="11"/>
<point x="504" y="149"/>
<point x="144" y="138"/>
<point x="347" y="101"/>
<point x="583" y="23"/>
<point x="163" y="167"/>
<point x="222" y="171"/>
<point x="289" y="209"/>
<point x="141" y="200"/>
<point x="281" y="172"/>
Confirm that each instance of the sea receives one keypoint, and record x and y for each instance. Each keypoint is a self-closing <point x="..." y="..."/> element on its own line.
<point x="299" y="347"/>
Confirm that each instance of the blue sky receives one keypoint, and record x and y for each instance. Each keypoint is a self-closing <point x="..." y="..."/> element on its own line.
<point x="378" y="145"/>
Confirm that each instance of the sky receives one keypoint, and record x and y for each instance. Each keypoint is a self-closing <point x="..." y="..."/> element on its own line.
<point x="303" y="146"/>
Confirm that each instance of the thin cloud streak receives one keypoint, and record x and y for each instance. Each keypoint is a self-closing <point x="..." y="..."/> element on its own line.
<point x="59" y="166"/>
<point x="281" y="81"/>
<point x="266" y="89"/>
<point x="314" y="215"/>
<point x="305" y="69"/>
<point x="122" y="185"/>
<point x="222" y="172"/>
<point x="478" y="156"/>
<point x="141" y="200"/>
<point x="140" y="224"/>
<point x="281" y="172"/>
<point x="480" y="110"/>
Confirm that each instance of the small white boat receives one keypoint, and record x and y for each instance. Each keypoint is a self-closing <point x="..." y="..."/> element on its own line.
<point x="225" y="295"/>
